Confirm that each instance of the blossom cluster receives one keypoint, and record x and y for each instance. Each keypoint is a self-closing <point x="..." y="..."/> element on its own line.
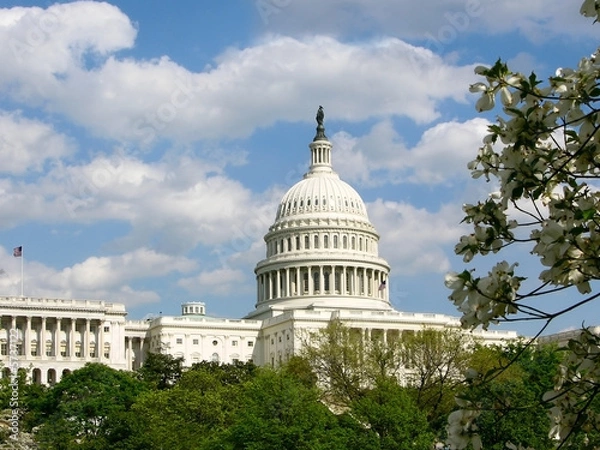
<point x="544" y="155"/>
<point x="576" y="387"/>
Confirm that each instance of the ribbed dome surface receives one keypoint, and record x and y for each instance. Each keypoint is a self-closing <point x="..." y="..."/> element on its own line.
<point x="321" y="192"/>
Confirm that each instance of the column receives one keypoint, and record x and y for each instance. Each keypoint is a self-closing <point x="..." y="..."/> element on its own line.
<point x="287" y="283"/>
<point x="355" y="285"/>
<point x="298" y="282"/>
<point x="27" y="343"/>
<point x="72" y="338"/>
<point x="129" y="350"/>
<point x="269" y="286"/>
<point x="343" y="281"/>
<point x="258" y="298"/>
<point x="13" y="337"/>
<point x="57" y="339"/>
<point x="141" y="352"/>
<point x="100" y="345"/>
<point x="277" y="284"/>
<point x="321" y="281"/>
<point x="310" y="281"/>
<point x="42" y="341"/>
<point x="85" y="351"/>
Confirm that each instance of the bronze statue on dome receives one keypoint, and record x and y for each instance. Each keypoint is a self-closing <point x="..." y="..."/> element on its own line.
<point x="320" y="115"/>
<point x="320" y="127"/>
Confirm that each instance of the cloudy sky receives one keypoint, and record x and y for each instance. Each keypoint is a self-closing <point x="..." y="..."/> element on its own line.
<point x="144" y="146"/>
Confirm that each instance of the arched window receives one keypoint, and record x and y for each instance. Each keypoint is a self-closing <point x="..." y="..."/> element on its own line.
<point x="344" y="241"/>
<point x="326" y="241"/>
<point x="316" y="284"/>
<point x="297" y="242"/>
<point x="306" y="242"/>
<point x="326" y="280"/>
<point x="289" y="244"/>
<point x="335" y="241"/>
<point x="305" y="282"/>
<point x="316" y="239"/>
<point x="353" y="243"/>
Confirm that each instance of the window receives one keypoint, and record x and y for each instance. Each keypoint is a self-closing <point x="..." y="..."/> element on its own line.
<point x="250" y="344"/>
<point x="215" y="342"/>
<point x="106" y="329"/>
<point x="326" y="241"/>
<point x="316" y="241"/>
<point x="335" y="241"/>
<point x="234" y="343"/>
<point x="297" y="242"/>
<point x="326" y="280"/>
<point x="179" y="341"/>
<point x="272" y="341"/>
<point x="306" y="242"/>
<point x="279" y="338"/>
<point x="195" y="341"/>
<point x="289" y="245"/>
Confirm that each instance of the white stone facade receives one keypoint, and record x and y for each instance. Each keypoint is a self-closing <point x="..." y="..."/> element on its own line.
<point x="50" y="337"/>
<point x="322" y="263"/>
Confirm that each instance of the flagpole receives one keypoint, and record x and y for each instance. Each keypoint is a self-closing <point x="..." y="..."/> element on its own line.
<point x="22" y="258"/>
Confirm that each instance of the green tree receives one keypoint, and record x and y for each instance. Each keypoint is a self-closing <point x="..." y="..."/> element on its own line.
<point x="277" y="412"/>
<point x="390" y="412"/>
<point x="88" y="409"/>
<point x="543" y="152"/>
<point x="161" y="371"/>
<point x="194" y="413"/>
<point x="512" y="382"/>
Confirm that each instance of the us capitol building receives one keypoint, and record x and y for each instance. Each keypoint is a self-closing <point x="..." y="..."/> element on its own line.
<point x="322" y="263"/>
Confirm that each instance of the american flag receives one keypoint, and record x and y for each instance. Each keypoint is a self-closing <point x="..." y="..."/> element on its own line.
<point x="18" y="251"/>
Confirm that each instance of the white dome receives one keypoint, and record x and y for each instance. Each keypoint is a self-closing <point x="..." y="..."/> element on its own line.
<point x="321" y="193"/>
<point x="321" y="250"/>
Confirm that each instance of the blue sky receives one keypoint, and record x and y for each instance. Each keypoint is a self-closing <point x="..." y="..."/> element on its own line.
<point x="144" y="146"/>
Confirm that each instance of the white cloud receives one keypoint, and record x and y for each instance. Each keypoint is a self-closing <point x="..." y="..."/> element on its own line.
<point x="381" y="156"/>
<point x="222" y="281"/>
<point x="439" y="20"/>
<point x="414" y="240"/>
<point x="177" y="204"/>
<point x="27" y="144"/>
<point x="276" y="79"/>
<point x="98" y="278"/>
